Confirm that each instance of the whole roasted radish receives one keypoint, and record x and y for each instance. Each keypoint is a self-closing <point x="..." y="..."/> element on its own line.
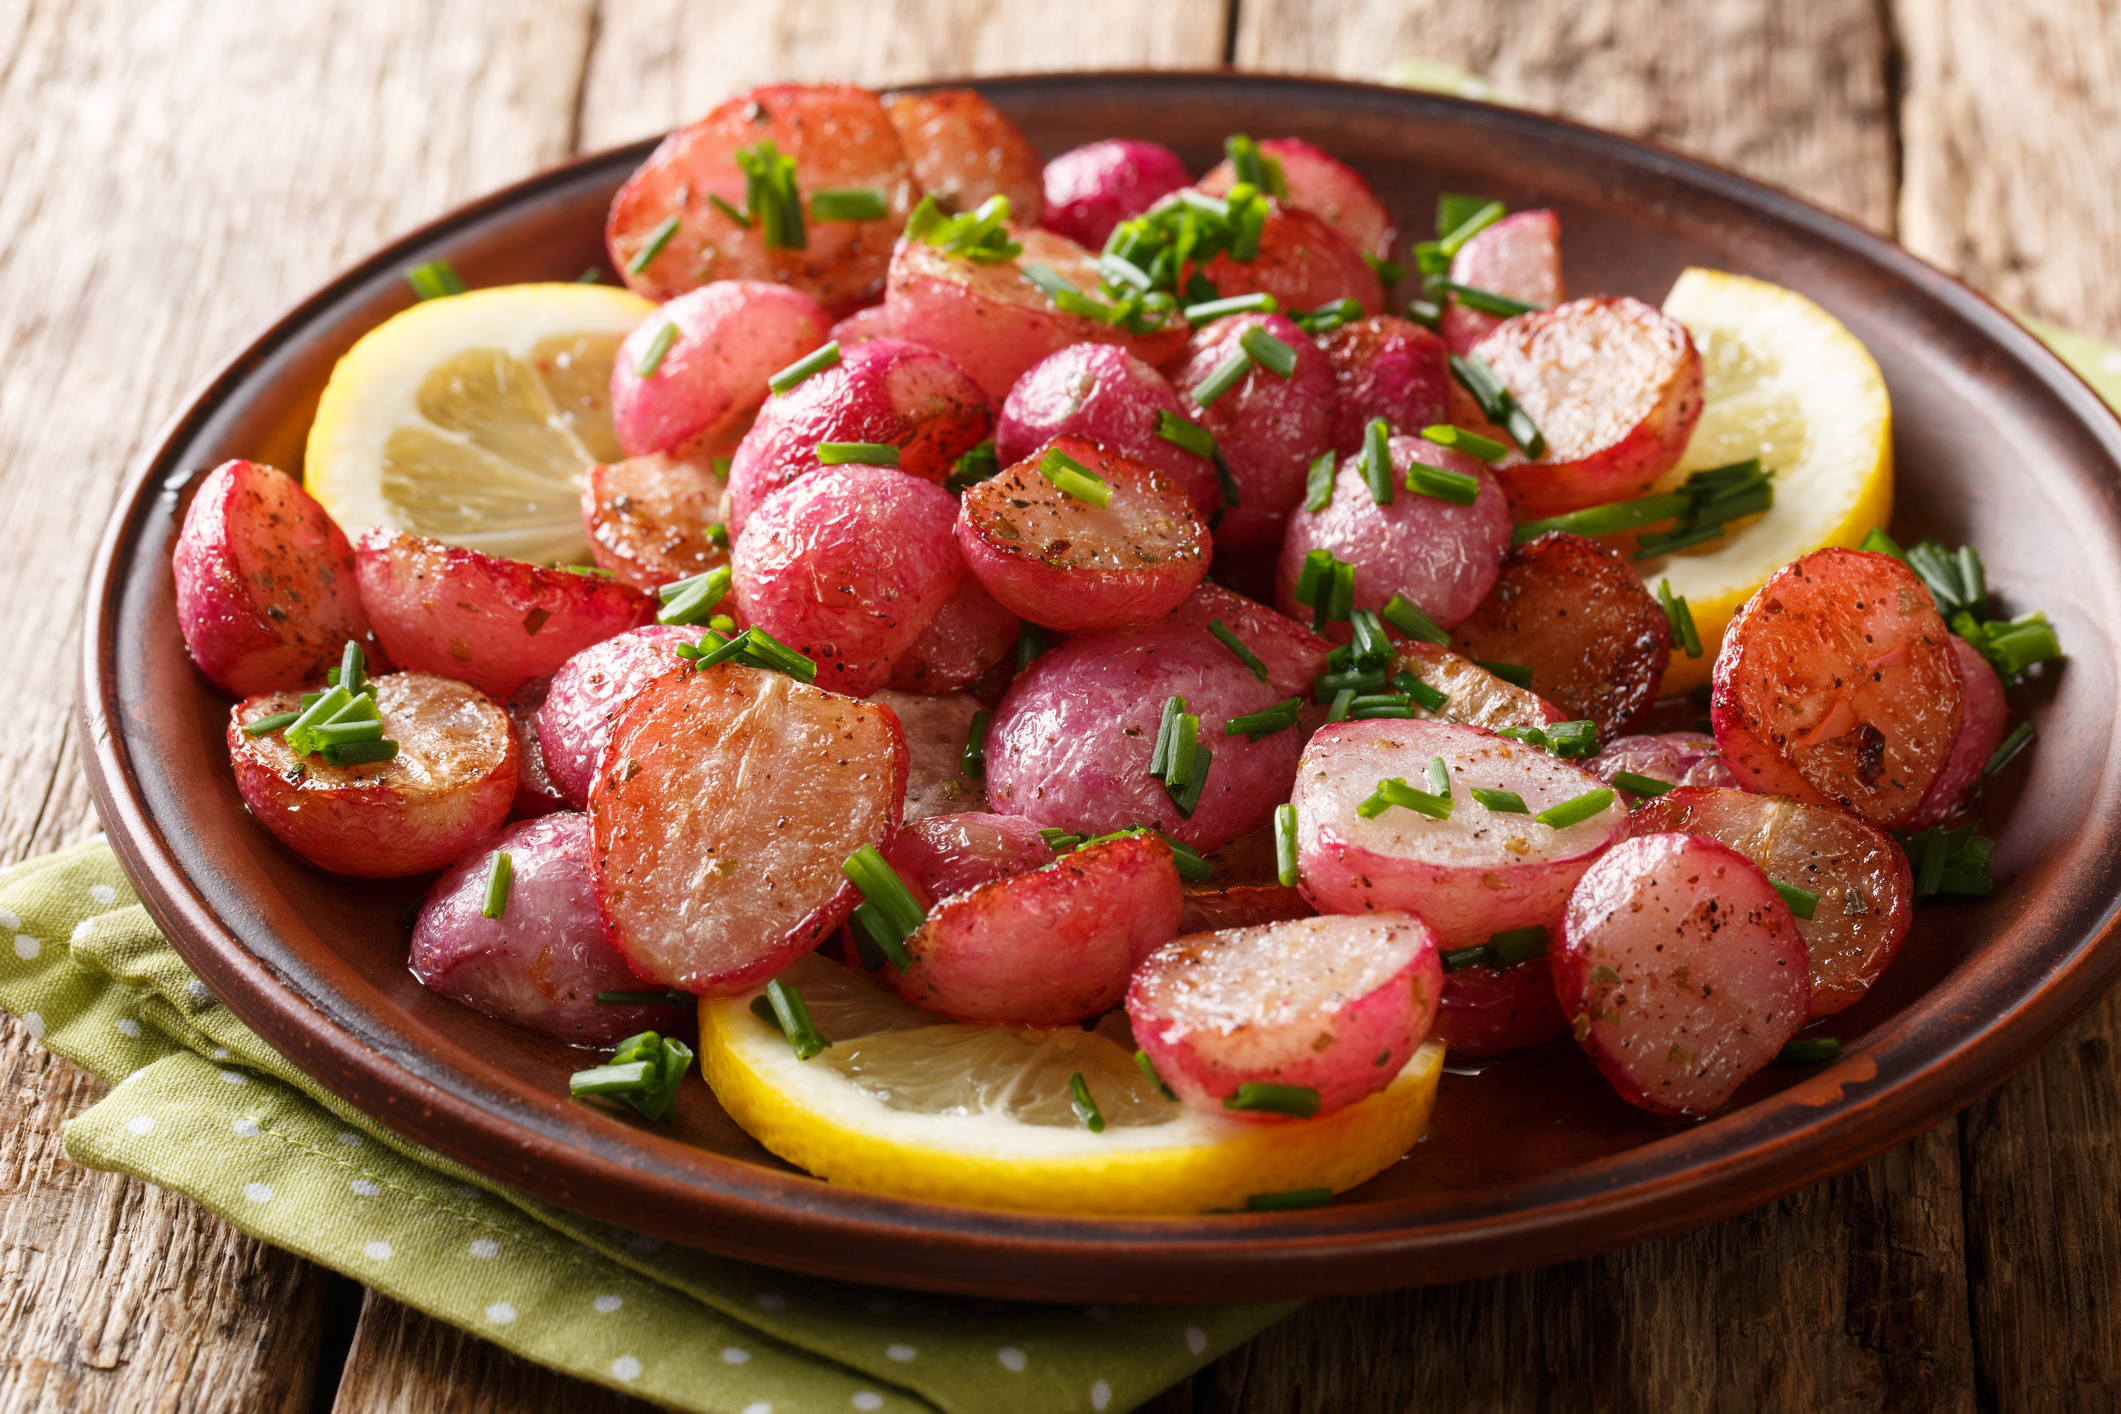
<point x="1316" y="181"/>
<point x="1269" y="426"/>
<point x="1093" y="188"/>
<point x="936" y="727"/>
<point x="588" y="693"/>
<point x="720" y="344"/>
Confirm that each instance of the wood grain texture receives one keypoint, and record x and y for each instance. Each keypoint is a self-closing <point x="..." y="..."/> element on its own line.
<point x="1793" y="94"/>
<point x="660" y="63"/>
<point x="408" y="1363"/>
<point x="2012" y="121"/>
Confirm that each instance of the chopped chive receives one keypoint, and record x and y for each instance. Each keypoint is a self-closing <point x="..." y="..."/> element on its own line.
<point x="770" y="195"/>
<point x="1609" y="518"/>
<point x="1369" y="645"/>
<point x="1428" y="315"/>
<point x="816" y="361"/>
<point x="1289" y="1202"/>
<point x="1285" y="853"/>
<point x="1317" y="568"/>
<point x="353" y="669"/>
<point x="1185" y="800"/>
<point x="793" y="1019"/>
<point x="1343" y="601"/>
<point x="1436" y="805"/>
<point x="1879" y="543"/>
<point x="848" y="204"/>
<point x="1439" y="778"/>
<point x="1297" y="1101"/>
<point x="358" y="753"/>
<point x="1227" y="485"/>
<point x="266" y="725"/>
<point x="1458" y="959"/>
<point x="1257" y="726"/>
<point x="1515" y="945"/>
<point x="500" y="873"/>
<point x="327" y="705"/>
<point x="1085" y="1108"/>
<point x="1166" y="726"/>
<point x="612" y="1080"/>
<point x="1496" y="402"/>
<point x="1318" y="482"/>
<point x="1236" y="645"/>
<point x="1262" y="302"/>
<point x="1059" y="840"/>
<point x="1176" y="742"/>
<point x="1031" y="640"/>
<point x="857" y="453"/>
<point x="1400" y="612"/>
<point x="1472" y="297"/>
<point x="1680" y="619"/>
<point x="1072" y="478"/>
<point x="974" y="761"/>
<point x="1343" y="700"/>
<point x="1443" y="434"/>
<point x="1502" y="802"/>
<point x="657" y="239"/>
<point x="2016" y="742"/>
<point x="1046" y="278"/>
<point x="763" y="650"/>
<point x="434" y="280"/>
<point x="1468" y="217"/>
<point x="1575" y="810"/>
<point x="1515" y="674"/>
<point x="979" y="464"/>
<point x="1328" y="317"/>
<point x="1148" y="1068"/>
<point x="1122" y="274"/>
<point x="1441" y="484"/>
<point x="889" y="913"/>
<point x="594" y="275"/>
<point x="692" y="601"/>
<point x="1812" y="1050"/>
<point x="1268" y="352"/>
<point x="741" y="217"/>
<point x="643" y="998"/>
<point x="1227" y="375"/>
<point x="1376" y="460"/>
<point x="1572" y="739"/>
<point x="344" y="733"/>
<point x="1647" y="786"/>
<point x="1803" y="902"/>
<point x="652" y="357"/>
<point x="1180" y="433"/>
<point x="1388" y="272"/>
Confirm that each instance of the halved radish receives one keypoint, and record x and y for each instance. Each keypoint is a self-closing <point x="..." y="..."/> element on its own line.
<point x="1488" y="1011"/>
<point x="935" y="726"/>
<point x="726" y="804"/>
<point x="1478" y="872"/>
<point x="726" y="339"/>
<point x="650" y="519"/>
<point x="969" y="634"/>
<point x="1294" y="656"/>
<point x="1071" y="564"/>
<point x="1838" y="685"/>
<point x="1573" y="612"/>
<point x="1983" y="719"/>
<point x="1303" y="262"/>
<point x="1334" y="1006"/>
<point x="942" y="855"/>
<point x="964" y="151"/>
<point x="1682" y="971"/>
<point x="588" y="693"/>
<point x="537" y="793"/>
<point x="1320" y="183"/>
<point x="1106" y="394"/>
<point x="1518" y="257"/>
<point x="1676" y="758"/>
<point x="1473" y="696"/>
<point x="1865" y="886"/>
<point x="1049" y="947"/>
<point x="1093" y="188"/>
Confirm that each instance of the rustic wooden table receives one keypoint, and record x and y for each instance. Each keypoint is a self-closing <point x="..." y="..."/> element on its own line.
<point x="176" y="172"/>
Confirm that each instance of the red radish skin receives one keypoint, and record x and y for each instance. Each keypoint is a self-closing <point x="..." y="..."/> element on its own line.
<point x="1070" y="745"/>
<point x="1075" y="566"/>
<point x="1386" y="367"/>
<point x="452" y="781"/>
<point x="1049" y="947"/>
<point x="863" y="325"/>
<point x="1104" y="393"/>
<point x="1490" y="1011"/>
<point x="496" y="624"/>
<point x="848" y="569"/>
<point x="964" y="151"/>
<point x="541" y="964"/>
<point x="840" y="137"/>
<point x="1303" y="262"/>
<point x="1335" y="1005"/>
<point x="1325" y="186"/>
<point x="935" y="727"/>
<point x="1091" y="189"/>
<point x="1865" y="885"/>
<point x="731" y="337"/>
<point x="650" y="519"/>
<point x="1268" y="428"/>
<point x="1613" y="384"/>
<point x="886" y="391"/>
<point x="1576" y="614"/>
<point x="1519" y="257"/>
<point x="1474" y="875"/>
<point x="266" y="593"/>
<point x="536" y="791"/>
<point x="993" y="321"/>
<point x="1676" y="758"/>
<point x="1984" y="720"/>
<point x="1681" y="970"/>
<point x="1443" y="557"/>
<point x="1293" y="655"/>
<point x="1473" y="696"/>
<point x="587" y="695"/>
<point x="949" y="854"/>
<point x="724" y="808"/>
<point x="971" y="633"/>
<point x="1837" y="684"/>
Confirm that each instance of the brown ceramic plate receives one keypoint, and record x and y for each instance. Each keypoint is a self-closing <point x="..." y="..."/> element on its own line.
<point x="1532" y="1161"/>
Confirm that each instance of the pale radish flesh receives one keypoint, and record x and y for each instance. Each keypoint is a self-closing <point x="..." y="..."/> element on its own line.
<point x="935" y="726"/>
<point x="724" y="341"/>
<point x="1331" y="1005"/>
<point x="1473" y="696"/>
<point x="651" y="520"/>
<point x="725" y="806"/>
<point x="1681" y="970"/>
<point x="587" y="695"/>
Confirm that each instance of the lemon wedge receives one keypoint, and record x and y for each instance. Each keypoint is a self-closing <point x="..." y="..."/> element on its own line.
<point x="908" y="1104"/>
<point x="474" y="418"/>
<point x="1788" y="384"/>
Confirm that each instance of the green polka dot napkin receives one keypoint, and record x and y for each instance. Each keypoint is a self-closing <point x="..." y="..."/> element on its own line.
<point x="204" y="1107"/>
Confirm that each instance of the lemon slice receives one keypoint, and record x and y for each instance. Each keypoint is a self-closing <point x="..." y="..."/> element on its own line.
<point x="1788" y="384"/>
<point x="908" y="1104"/>
<point x="474" y="418"/>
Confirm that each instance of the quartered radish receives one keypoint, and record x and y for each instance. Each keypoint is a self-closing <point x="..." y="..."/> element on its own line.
<point x="1329" y="1006"/>
<point x="1320" y="183"/>
<point x="1049" y="947"/>
<point x="942" y="855"/>
<point x="936" y="726"/>
<point x="1519" y="257"/>
<point x="969" y="634"/>
<point x="1093" y="188"/>
<point x="1069" y="563"/>
<point x="1838" y="685"/>
<point x="1481" y="870"/>
<point x="1984" y="718"/>
<point x="724" y="341"/>
<point x="496" y="624"/>
<point x="1473" y="696"/>
<point x="651" y="520"/>
<point x="1104" y="393"/>
<point x="587" y="695"/>
<point x="1573" y="612"/>
<point x="1387" y="367"/>
<point x="266" y="595"/>
<point x="964" y="151"/>
<point x="1269" y="428"/>
<point x="1489" y="1011"/>
<point x="1682" y="971"/>
<point x="452" y="781"/>
<point x="721" y="814"/>
<point x="1862" y="880"/>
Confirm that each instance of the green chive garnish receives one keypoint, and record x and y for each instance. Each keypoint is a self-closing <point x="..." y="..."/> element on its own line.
<point x="741" y="217"/>
<point x="1085" y="1108"/>
<point x="1031" y="640"/>
<point x="979" y="464"/>
<point x="353" y="669"/>
<point x="770" y="196"/>
<point x="1436" y="805"/>
<point x="1647" y="786"/>
<point x="1425" y="313"/>
<point x="265" y="725"/>
<point x="848" y="204"/>
<point x="643" y="998"/>
<point x="889" y="913"/>
<point x="345" y="733"/>
<point x="2017" y="741"/>
<point x="1318" y="482"/>
<point x="328" y="705"/>
<point x="1576" y="810"/>
<point x="784" y="1005"/>
<point x="1290" y="1201"/>
<point x="1812" y="1050"/>
<point x="1180" y="433"/>
<point x="645" y="1071"/>
<point x="1400" y="612"/>
<point x="1515" y="674"/>
<point x="692" y="601"/>
<point x="1343" y="702"/>
<point x="974" y="761"/>
<point x="1467" y="217"/>
<point x="1439" y="778"/>
<point x="358" y="753"/>
<point x="1502" y="802"/>
<point x="1285" y="854"/>
<point x="1227" y="375"/>
<point x="1297" y="1101"/>
<point x="1515" y="945"/>
<point x="1268" y="352"/>
<point x="652" y="357"/>
<point x="1458" y="959"/>
<point x="1236" y="645"/>
<point x="1472" y="297"/>
<point x="1376" y="461"/>
<point x="1440" y="484"/>
<point x="657" y="239"/>
<point x="1060" y="841"/>
<point x="500" y="873"/>
<point x="763" y="650"/>
<point x="1458" y="439"/>
<point x="1496" y="402"/>
<point x="1803" y="902"/>
<point x="594" y="275"/>
<point x="1879" y="543"/>
<point x="1257" y="726"/>
<point x="434" y="280"/>
<point x="1680" y="619"/>
<point x="1148" y="1068"/>
<point x="815" y="361"/>
<point x="1262" y="302"/>
<point x="857" y="453"/>
<point x="1072" y="478"/>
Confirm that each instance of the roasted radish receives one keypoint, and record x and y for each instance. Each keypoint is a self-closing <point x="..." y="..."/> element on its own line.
<point x="943" y="855"/>
<point x="1091" y="189"/>
<point x="652" y="520"/>
<point x="1473" y="696"/>
<point x="1983" y="718"/>
<point x="1488" y="1011"/>
<point x="1519" y="258"/>
<point x="1294" y="656"/>
<point x="720" y="344"/>
<point x="587" y="695"/>
<point x="1104" y="393"/>
<point x="964" y="151"/>
<point x="1385" y="367"/>
<point x="936" y="729"/>
<point x="537" y="793"/>
<point x="1269" y="427"/>
<point x="1303" y="262"/>
<point x="969" y="634"/>
<point x="1322" y="184"/>
<point x="1675" y="758"/>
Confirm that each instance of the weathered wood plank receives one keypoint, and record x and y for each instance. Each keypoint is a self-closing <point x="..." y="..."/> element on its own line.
<point x="2012" y="126"/>
<point x="1793" y="94"/>
<point x="408" y="1363"/>
<point x="658" y="63"/>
